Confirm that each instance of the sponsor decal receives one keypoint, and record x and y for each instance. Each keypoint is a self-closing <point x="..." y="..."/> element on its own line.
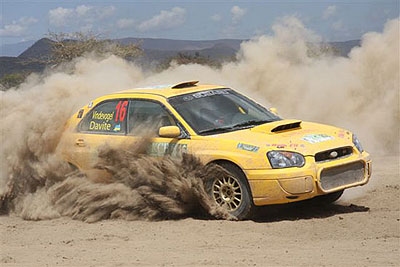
<point x="117" y="128"/>
<point x="277" y="145"/>
<point x="108" y="121"/>
<point x="341" y="134"/>
<point x="102" y="116"/>
<point x="104" y="124"/>
<point x="316" y="138"/>
<point x="205" y="94"/>
<point x="248" y="147"/>
<point x="162" y="149"/>
<point x="100" y="126"/>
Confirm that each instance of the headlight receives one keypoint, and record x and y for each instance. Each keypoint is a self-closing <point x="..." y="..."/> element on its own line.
<point x="285" y="159"/>
<point x="357" y="143"/>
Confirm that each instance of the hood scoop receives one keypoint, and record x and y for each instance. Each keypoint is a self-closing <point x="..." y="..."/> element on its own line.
<point x="287" y="126"/>
<point x="278" y="126"/>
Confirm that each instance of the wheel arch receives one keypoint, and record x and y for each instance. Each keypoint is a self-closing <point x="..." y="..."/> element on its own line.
<point x="225" y="161"/>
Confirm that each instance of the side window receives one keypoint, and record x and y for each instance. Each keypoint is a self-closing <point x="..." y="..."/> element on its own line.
<point x="147" y="117"/>
<point x="108" y="117"/>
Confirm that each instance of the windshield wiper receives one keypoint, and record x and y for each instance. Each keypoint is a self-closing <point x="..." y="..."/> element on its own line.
<point x="250" y="123"/>
<point x="215" y="130"/>
<point x="239" y="125"/>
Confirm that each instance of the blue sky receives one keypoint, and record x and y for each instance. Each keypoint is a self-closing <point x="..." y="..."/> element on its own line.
<point x="194" y="20"/>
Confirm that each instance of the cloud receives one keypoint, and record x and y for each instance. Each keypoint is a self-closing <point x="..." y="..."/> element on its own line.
<point x="237" y="14"/>
<point x="338" y="25"/>
<point x="125" y="23"/>
<point x="82" y="14"/>
<point x="105" y="12"/>
<point x="17" y="27"/>
<point x="60" y="16"/>
<point x="231" y="30"/>
<point x="329" y="12"/>
<point x="83" y="10"/>
<point x="216" y="17"/>
<point x="167" y="19"/>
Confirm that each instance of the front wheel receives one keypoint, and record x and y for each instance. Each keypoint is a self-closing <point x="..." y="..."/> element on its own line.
<point x="232" y="192"/>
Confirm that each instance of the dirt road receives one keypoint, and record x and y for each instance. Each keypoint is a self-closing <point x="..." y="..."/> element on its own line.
<point x="363" y="229"/>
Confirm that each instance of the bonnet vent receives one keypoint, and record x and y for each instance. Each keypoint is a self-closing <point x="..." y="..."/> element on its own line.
<point x="285" y="127"/>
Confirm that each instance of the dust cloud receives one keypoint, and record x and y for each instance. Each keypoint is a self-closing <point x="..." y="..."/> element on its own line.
<point x="140" y="187"/>
<point x="359" y="92"/>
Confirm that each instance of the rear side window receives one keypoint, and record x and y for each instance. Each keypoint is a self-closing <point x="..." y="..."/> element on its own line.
<point x="109" y="117"/>
<point x="147" y="117"/>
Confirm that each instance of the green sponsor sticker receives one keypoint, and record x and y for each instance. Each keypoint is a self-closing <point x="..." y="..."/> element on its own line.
<point x="163" y="149"/>
<point x="316" y="138"/>
<point x="248" y="147"/>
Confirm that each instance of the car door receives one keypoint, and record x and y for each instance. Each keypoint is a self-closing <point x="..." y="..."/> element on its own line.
<point x="105" y="124"/>
<point x="145" y="117"/>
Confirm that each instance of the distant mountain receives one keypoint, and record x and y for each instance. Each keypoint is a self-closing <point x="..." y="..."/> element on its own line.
<point x="179" y="45"/>
<point x="39" y="50"/>
<point x="156" y="51"/>
<point x="13" y="50"/>
<point x="218" y="52"/>
<point x="345" y="47"/>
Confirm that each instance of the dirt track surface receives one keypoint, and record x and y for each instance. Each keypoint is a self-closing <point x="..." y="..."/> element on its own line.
<point x="363" y="229"/>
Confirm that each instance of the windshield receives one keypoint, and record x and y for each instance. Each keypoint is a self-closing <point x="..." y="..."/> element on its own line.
<point x="220" y="110"/>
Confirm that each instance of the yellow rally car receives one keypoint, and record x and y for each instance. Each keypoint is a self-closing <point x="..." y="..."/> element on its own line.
<point x="272" y="160"/>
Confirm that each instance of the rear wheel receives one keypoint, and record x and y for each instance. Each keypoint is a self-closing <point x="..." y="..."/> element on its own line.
<point x="232" y="192"/>
<point x="328" y="198"/>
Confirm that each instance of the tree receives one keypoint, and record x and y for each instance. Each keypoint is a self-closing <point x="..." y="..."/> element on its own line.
<point x="66" y="47"/>
<point x="12" y="80"/>
<point x="322" y="49"/>
<point x="185" y="58"/>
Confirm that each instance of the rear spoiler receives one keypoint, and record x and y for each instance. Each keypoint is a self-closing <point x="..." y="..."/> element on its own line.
<point x="184" y="85"/>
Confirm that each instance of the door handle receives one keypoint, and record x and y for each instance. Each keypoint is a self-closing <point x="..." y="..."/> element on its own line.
<point x="80" y="142"/>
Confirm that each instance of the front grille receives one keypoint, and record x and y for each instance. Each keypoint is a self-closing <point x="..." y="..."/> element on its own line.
<point x="343" y="175"/>
<point x="333" y="154"/>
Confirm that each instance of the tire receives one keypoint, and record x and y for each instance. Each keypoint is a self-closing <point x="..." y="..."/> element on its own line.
<point x="226" y="192"/>
<point x="328" y="198"/>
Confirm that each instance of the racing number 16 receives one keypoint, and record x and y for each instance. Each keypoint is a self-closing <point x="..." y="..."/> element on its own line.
<point x="121" y="110"/>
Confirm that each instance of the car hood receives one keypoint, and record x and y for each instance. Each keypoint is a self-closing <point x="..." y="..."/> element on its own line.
<point x="292" y="135"/>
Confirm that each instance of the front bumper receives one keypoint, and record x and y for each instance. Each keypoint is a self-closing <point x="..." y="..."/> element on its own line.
<point x="277" y="186"/>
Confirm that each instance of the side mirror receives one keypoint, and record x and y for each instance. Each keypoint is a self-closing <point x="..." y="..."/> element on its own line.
<point x="169" y="131"/>
<point x="274" y="111"/>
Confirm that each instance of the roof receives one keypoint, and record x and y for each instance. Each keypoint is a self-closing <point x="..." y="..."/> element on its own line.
<point x="168" y="90"/>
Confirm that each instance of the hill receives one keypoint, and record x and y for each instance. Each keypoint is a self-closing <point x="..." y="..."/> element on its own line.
<point x="13" y="50"/>
<point x="179" y="45"/>
<point x="156" y="51"/>
<point x="345" y="47"/>
<point x="39" y="50"/>
<point x="10" y="65"/>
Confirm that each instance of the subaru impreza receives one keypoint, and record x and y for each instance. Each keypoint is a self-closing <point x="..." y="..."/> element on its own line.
<point x="271" y="160"/>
